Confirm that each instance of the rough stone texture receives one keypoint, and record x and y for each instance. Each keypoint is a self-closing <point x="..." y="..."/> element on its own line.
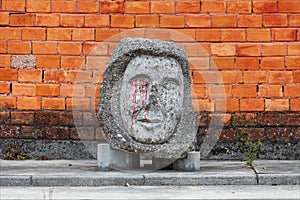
<point x="23" y="61"/>
<point x="149" y="117"/>
<point x="191" y="163"/>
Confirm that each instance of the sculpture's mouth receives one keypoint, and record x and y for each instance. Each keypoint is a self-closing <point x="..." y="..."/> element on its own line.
<point x="150" y="123"/>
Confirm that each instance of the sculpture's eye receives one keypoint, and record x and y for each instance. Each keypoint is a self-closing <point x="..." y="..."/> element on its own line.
<point x="170" y="84"/>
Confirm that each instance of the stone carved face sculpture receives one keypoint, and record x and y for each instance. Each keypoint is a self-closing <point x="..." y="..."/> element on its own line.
<point x="145" y="105"/>
<point x="151" y="98"/>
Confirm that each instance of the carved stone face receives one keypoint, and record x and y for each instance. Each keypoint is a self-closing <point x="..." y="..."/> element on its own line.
<point x="151" y="98"/>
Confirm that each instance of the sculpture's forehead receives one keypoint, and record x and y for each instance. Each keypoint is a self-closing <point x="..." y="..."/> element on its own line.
<point x="154" y="66"/>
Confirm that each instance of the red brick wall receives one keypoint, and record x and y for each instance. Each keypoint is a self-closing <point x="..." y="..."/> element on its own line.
<point x="254" y="44"/>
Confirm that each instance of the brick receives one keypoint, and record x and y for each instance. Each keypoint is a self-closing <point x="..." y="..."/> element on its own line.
<point x="183" y="35"/>
<point x="53" y="103"/>
<point x="161" y="34"/>
<point x="81" y="76"/>
<point x="7" y="102"/>
<point x="78" y="104"/>
<point x="163" y="7"/>
<point x="296" y="77"/>
<point x="203" y="105"/>
<point x="32" y="132"/>
<point x="70" y="20"/>
<point x="57" y="133"/>
<point x="4" y="60"/>
<point x="10" y="34"/>
<point x="137" y="7"/>
<point x="239" y="7"/>
<point x="219" y="91"/>
<point x="96" y="21"/>
<point x="275" y="20"/>
<point x="4" y="88"/>
<point x="199" y="63"/>
<point x="251" y="105"/>
<point x="213" y="7"/>
<point x="59" y="33"/>
<point x="95" y="62"/>
<point x="249" y="21"/>
<point x="172" y="21"/>
<point x="111" y="7"/>
<point x="255" y="76"/>
<point x="28" y="103"/>
<point x="274" y="49"/>
<point x="34" y="34"/>
<point x="292" y="91"/>
<point x="247" y="63"/>
<point x="188" y="7"/>
<point x="295" y="104"/>
<point x="196" y="21"/>
<point x="205" y="77"/>
<point x="48" y="20"/>
<point x="47" y="118"/>
<point x="222" y="49"/>
<point x="294" y="20"/>
<point x="7" y="74"/>
<point x="270" y="91"/>
<point x="3" y="47"/>
<point x="4" y="18"/>
<point x="248" y="50"/>
<point x="258" y="35"/>
<point x="47" y="90"/>
<point x="69" y="90"/>
<point x="223" y="21"/>
<point x="48" y="61"/>
<point x="21" y="89"/>
<point x="272" y="63"/>
<point x="147" y="21"/>
<point x="69" y="48"/>
<point x="241" y="91"/>
<point x="104" y="34"/>
<point x="289" y="6"/>
<point x="282" y="134"/>
<point x="284" y="34"/>
<point x="277" y="104"/>
<point x="230" y="77"/>
<point x="55" y="76"/>
<point x="230" y="105"/>
<point x="94" y="48"/>
<point x="22" y="118"/>
<point x="198" y="91"/>
<point x="72" y="62"/>
<point x="63" y="6"/>
<point x="292" y="62"/>
<point x="282" y="77"/>
<point x="92" y="90"/>
<point x="222" y="63"/>
<point x="87" y="6"/>
<point x="16" y="5"/>
<point x="83" y="34"/>
<point x="30" y="75"/>
<point x="122" y="21"/>
<point x="38" y="6"/>
<point x="264" y="6"/>
<point x="19" y="47"/>
<point x="294" y="49"/>
<point x="208" y="35"/>
<point x="9" y="131"/>
<point x="197" y="49"/>
<point x="233" y="35"/>
<point x="269" y="119"/>
<point x="44" y="47"/>
<point x="21" y="20"/>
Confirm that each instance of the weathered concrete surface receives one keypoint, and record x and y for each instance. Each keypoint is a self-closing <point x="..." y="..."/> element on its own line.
<point x="86" y="173"/>
<point x="273" y="172"/>
<point x="154" y="192"/>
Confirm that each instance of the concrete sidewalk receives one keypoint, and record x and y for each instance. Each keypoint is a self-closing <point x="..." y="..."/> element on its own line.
<point x="84" y="173"/>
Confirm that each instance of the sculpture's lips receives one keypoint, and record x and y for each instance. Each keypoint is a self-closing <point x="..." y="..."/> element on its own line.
<point x="154" y="121"/>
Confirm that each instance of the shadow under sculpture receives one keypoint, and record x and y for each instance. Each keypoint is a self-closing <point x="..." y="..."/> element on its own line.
<point x="145" y="105"/>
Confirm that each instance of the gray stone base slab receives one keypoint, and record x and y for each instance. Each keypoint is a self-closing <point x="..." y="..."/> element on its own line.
<point x="85" y="173"/>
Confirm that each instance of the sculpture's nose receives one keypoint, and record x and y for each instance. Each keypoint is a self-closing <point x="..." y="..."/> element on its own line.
<point x="153" y="100"/>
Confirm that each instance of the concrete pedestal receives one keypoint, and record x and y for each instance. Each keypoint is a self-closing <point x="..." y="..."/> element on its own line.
<point x="189" y="164"/>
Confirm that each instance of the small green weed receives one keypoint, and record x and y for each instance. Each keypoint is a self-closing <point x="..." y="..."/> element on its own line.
<point x="251" y="148"/>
